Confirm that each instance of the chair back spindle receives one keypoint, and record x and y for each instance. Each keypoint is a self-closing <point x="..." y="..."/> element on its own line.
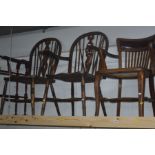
<point x="134" y="54"/>
<point x="136" y="58"/>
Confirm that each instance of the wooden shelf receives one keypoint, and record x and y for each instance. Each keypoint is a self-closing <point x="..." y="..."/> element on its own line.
<point x="82" y="122"/>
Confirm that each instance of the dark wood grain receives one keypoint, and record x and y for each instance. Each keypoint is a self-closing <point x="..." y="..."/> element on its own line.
<point x="136" y="61"/>
<point x="43" y="61"/>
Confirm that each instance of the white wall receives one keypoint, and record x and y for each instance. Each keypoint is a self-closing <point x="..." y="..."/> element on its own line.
<point x="23" y="42"/>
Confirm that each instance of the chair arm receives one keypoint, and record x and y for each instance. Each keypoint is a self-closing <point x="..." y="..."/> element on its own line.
<point x="21" y="61"/>
<point x="18" y="62"/>
<point x="106" y="52"/>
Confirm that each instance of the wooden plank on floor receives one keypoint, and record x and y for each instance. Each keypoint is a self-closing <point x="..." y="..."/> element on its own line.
<point x="85" y="122"/>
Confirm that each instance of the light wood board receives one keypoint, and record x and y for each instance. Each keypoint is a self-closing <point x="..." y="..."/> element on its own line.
<point x="82" y="122"/>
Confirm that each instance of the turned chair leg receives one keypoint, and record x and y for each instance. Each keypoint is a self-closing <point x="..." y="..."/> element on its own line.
<point x="3" y="97"/>
<point x="45" y="98"/>
<point x="72" y="96"/>
<point x="16" y="98"/>
<point x="55" y="102"/>
<point x="102" y="103"/>
<point x="152" y="92"/>
<point x="83" y="95"/>
<point x="141" y="90"/>
<point x="119" y="96"/>
<point x="25" y="99"/>
<point x="33" y="97"/>
<point x="97" y="92"/>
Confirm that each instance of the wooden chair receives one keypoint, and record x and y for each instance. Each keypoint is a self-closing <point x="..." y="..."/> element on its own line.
<point x="136" y="61"/>
<point x="83" y="63"/>
<point x="43" y="60"/>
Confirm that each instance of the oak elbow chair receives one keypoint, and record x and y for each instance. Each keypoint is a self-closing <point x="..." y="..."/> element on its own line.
<point x="43" y="61"/>
<point x="136" y="61"/>
<point x="83" y="62"/>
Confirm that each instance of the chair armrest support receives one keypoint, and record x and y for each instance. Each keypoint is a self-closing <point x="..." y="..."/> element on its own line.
<point x="64" y="58"/>
<point x="47" y="53"/>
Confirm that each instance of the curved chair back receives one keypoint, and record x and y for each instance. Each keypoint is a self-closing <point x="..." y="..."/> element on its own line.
<point x="82" y="58"/>
<point x="44" y="57"/>
<point x="135" y="53"/>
